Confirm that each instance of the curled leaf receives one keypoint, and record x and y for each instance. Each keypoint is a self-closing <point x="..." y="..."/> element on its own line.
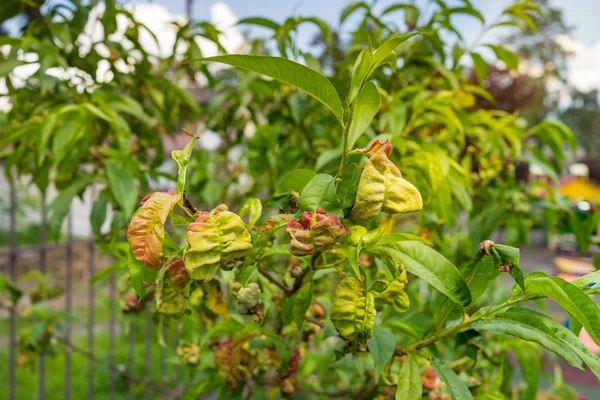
<point x="316" y="231"/>
<point x="169" y="291"/>
<point x="394" y="294"/>
<point x="382" y="188"/>
<point x="189" y="353"/>
<point x="215" y="240"/>
<point x="247" y="298"/>
<point x="353" y="312"/>
<point x="146" y="231"/>
<point x="234" y="362"/>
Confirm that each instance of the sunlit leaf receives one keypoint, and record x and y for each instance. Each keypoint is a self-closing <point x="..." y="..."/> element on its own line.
<point x="292" y="73"/>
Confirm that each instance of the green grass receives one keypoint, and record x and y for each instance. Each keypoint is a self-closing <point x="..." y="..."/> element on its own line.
<point x="28" y="379"/>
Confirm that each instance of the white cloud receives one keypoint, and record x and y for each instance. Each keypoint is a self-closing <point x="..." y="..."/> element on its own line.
<point x="583" y="63"/>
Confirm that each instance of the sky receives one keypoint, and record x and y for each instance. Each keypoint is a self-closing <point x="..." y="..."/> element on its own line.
<point x="581" y="15"/>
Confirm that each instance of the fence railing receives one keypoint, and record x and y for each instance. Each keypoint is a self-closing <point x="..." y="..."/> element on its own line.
<point x="104" y="359"/>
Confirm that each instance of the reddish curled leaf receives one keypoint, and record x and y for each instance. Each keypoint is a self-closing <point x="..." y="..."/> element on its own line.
<point x="316" y="231"/>
<point x="234" y="362"/>
<point x="146" y="230"/>
<point x="169" y="291"/>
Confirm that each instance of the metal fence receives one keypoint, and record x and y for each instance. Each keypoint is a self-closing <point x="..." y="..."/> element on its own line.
<point x="96" y="359"/>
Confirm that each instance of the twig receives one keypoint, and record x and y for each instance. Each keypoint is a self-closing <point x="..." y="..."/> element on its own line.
<point x="315" y="321"/>
<point x="341" y="393"/>
<point x="271" y="278"/>
<point x="188" y="204"/>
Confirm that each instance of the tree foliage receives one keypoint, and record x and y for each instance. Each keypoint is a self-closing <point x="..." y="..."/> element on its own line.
<point x="323" y="249"/>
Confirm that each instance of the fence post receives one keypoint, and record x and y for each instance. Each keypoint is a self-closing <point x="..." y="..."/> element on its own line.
<point x="43" y="258"/>
<point x="91" y="306"/>
<point x="12" y="265"/>
<point x="131" y="358"/>
<point x="68" y="304"/>
<point x="148" y="350"/>
<point x="112" y="295"/>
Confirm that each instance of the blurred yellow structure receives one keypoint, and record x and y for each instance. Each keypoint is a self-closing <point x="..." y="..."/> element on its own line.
<point x="578" y="188"/>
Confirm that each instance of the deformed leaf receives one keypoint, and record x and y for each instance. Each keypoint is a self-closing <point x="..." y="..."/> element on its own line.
<point x="172" y="279"/>
<point x="146" y="230"/>
<point x="353" y="311"/>
<point x="316" y="231"/>
<point x="382" y="188"/>
<point x="215" y="240"/>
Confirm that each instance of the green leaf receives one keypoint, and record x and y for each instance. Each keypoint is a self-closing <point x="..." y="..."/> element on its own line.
<point x="320" y="193"/>
<point x="397" y="44"/>
<point x="353" y="253"/>
<point x="290" y="72"/>
<point x="48" y="126"/>
<point x="362" y="66"/>
<point x="294" y="181"/>
<point x="511" y="256"/>
<point x="98" y="213"/>
<point x="568" y="338"/>
<point x="366" y="106"/>
<point x="137" y="270"/>
<point x="396" y="7"/>
<point x="252" y="207"/>
<point x="479" y="273"/>
<point x="481" y="67"/>
<point x="8" y="66"/>
<point x="409" y="381"/>
<point x="122" y="186"/>
<point x="349" y="185"/>
<point x="527" y="328"/>
<point x="396" y="237"/>
<point x="588" y="280"/>
<point x="301" y="302"/>
<point x="351" y="8"/>
<point x="258" y="21"/>
<point x="508" y="57"/>
<point x="381" y="346"/>
<point x="529" y="361"/>
<point x="59" y="208"/>
<point x="458" y="389"/>
<point x="570" y="297"/>
<point x="429" y="265"/>
<point x="468" y="10"/>
<point x="104" y="273"/>
<point x="182" y="159"/>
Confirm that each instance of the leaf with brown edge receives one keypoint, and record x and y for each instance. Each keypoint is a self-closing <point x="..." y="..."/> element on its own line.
<point x="146" y="231"/>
